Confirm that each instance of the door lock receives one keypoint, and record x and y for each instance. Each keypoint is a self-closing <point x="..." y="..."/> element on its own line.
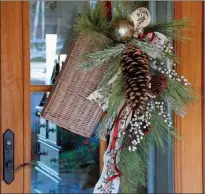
<point x="8" y="157"/>
<point x="8" y="146"/>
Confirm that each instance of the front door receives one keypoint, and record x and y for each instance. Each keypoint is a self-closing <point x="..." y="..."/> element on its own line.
<point x="35" y="39"/>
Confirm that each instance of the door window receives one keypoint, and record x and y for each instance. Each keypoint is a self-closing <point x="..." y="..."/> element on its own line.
<point x="66" y="162"/>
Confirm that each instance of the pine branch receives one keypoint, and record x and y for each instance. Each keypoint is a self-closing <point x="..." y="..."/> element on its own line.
<point x="119" y="10"/>
<point x="98" y="58"/>
<point x="94" y="19"/>
<point x="122" y="9"/>
<point x="110" y="72"/>
<point x="170" y="29"/>
<point x="116" y="97"/>
<point x="134" y="171"/>
<point x="151" y="48"/>
<point x="179" y="96"/>
<point x="134" y="164"/>
<point x="160" y="132"/>
<point x="115" y="100"/>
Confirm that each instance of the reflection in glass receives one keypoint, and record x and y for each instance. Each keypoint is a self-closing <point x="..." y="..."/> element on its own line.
<point x="66" y="162"/>
<point x="51" y="34"/>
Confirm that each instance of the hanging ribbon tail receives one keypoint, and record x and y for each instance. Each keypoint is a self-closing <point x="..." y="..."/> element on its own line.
<point x="103" y="185"/>
<point x="119" y="173"/>
<point x="109" y="182"/>
<point x="116" y="127"/>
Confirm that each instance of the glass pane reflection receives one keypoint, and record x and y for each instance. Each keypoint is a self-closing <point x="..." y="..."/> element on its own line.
<point x="66" y="162"/>
<point x="51" y="34"/>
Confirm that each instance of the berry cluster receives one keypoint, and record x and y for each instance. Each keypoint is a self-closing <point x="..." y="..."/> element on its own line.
<point x="163" y="112"/>
<point x="140" y="123"/>
<point x="170" y="73"/>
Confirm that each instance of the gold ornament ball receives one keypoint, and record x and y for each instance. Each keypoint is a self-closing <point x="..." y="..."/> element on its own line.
<point x="122" y="30"/>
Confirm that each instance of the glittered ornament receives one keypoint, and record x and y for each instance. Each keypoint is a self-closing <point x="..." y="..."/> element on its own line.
<point x="122" y="30"/>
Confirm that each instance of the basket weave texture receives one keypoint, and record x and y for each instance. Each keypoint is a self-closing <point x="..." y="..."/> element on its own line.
<point x="67" y="105"/>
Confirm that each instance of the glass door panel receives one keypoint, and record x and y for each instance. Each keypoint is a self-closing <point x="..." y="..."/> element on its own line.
<point x="51" y="34"/>
<point x="66" y="162"/>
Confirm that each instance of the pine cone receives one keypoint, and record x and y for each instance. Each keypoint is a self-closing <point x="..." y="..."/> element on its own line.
<point x="158" y="84"/>
<point x="135" y="68"/>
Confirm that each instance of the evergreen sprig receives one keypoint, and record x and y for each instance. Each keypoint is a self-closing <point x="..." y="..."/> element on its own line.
<point x="115" y="100"/>
<point x="179" y="96"/>
<point x="160" y="132"/>
<point x="98" y="58"/>
<point x="151" y="48"/>
<point x="94" y="19"/>
<point x="170" y="29"/>
<point x="117" y="95"/>
<point x="122" y="9"/>
<point x="110" y="72"/>
<point x="119" y="10"/>
<point x="134" y="175"/>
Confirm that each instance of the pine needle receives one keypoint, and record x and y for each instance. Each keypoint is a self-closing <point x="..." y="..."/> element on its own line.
<point x="122" y="9"/>
<point x="134" y="175"/>
<point x="94" y="19"/>
<point x="151" y="48"/>
<point x="179" y="96"/>
<point x="170" y="29"/>
<point x="119" y="10"/>
<point x="98" y="58"/>
<point x="110" y="72"/>
<point x="160" y="132"/>
<point x="117" y="95"/>
<point x="115" y="100"/>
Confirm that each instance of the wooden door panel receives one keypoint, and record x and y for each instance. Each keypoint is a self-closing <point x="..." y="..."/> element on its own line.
<point x="26" y="95"/>
<point x="12" y="85"/>
<point x="189" y="151"/>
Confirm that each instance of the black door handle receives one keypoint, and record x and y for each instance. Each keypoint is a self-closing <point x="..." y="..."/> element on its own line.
<point x="9" y="166"/>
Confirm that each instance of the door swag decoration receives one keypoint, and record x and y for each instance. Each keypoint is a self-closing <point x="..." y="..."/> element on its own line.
<point x="135" y="85"/>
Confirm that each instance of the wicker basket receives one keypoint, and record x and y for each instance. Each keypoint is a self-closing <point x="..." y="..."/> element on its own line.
<point x="67" y="105"/>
